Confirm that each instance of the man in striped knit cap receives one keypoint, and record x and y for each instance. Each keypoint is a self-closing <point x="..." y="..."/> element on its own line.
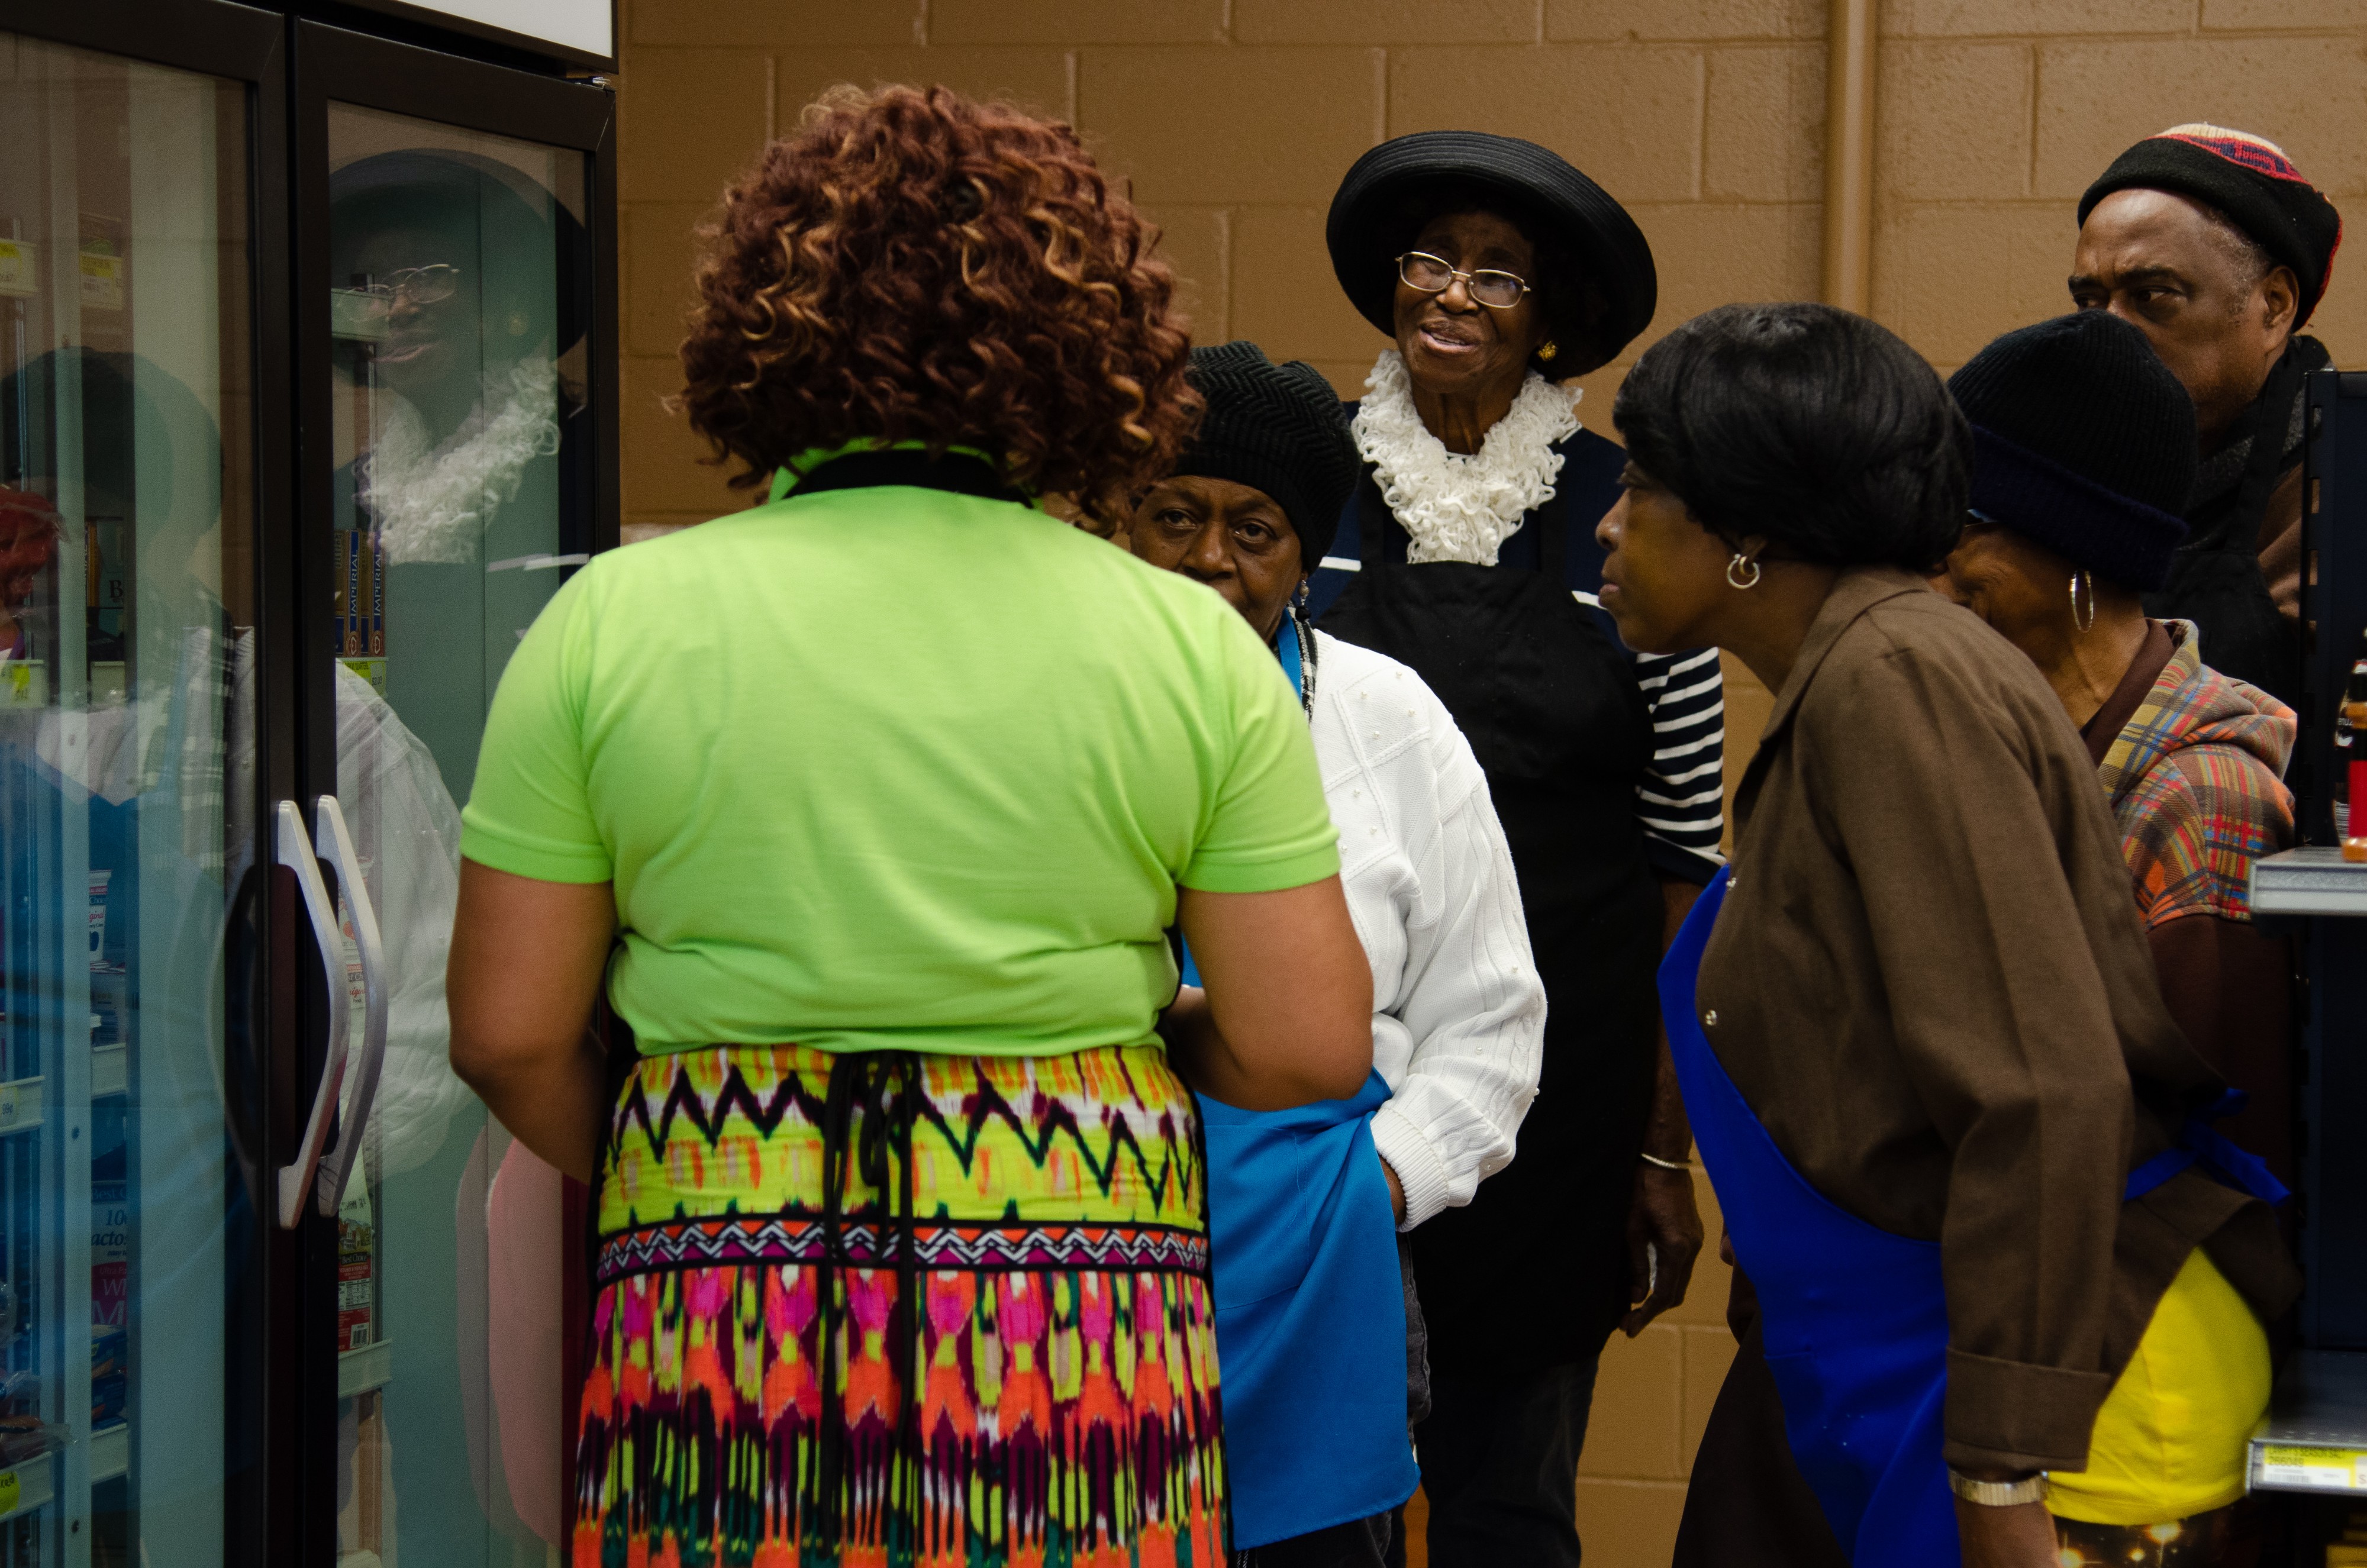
<point x="2212" y="242"/>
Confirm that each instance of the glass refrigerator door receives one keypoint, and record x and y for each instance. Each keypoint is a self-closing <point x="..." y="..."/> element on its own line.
<point x="456" y="370"/>
<point x="127" y="766"/>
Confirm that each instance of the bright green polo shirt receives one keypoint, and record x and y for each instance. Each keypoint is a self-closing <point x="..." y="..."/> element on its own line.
<point x="895" y="768"/>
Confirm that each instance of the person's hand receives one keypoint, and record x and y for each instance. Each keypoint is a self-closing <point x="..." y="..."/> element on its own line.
<point x="1397" y="1189"/>
<point x="2019" y="1537"/>
<point x="1661" y="1218"/>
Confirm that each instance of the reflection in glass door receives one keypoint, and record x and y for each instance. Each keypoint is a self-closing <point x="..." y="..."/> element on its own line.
<point x="456" y="378"/>
<point x="127" y="757"/>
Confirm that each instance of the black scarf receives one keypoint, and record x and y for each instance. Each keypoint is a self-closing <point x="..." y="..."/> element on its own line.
<point x="2214" y="579"/>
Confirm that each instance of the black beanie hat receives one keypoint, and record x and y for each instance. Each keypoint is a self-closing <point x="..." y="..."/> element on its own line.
<point x="2083" y="441"/>
<point x="1277" y="428"/>
<point x="2249" y="179"/>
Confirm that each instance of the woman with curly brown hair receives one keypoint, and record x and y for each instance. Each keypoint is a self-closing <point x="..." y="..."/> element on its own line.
<point x="888" y="790"/>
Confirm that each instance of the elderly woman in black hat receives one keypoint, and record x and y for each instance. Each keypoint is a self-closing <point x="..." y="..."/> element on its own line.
<point x="1300" y="1201"/>
<point x="1468" y="552"/>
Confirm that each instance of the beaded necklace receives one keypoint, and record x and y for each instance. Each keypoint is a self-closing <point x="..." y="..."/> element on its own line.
<point x="1303" y="669"/>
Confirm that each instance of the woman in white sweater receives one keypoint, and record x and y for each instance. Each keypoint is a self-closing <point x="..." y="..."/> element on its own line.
<point x="1308" y="1291"/>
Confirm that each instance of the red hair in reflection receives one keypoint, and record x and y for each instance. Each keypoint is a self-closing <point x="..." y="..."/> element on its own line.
<point x="28" y="542"/>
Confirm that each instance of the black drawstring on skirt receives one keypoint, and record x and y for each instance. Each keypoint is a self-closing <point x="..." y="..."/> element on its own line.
<point x="884" y="1087"/>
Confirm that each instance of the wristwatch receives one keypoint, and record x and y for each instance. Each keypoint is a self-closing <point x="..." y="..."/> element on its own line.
<point x="1999" y="1494"/>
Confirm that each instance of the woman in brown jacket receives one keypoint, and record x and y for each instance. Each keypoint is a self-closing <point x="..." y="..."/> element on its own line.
<point x="1924" y="1053"/>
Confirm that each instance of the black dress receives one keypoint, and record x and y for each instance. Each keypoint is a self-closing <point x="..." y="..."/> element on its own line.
<point x="1533" y="1273"/>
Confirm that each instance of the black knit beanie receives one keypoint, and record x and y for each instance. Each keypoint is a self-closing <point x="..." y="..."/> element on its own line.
<point x="1277" y="428"/>
<point x="2084" y="441"/>
<point x="2248" y="178"/>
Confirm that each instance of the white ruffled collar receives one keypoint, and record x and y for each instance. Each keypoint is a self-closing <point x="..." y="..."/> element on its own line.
<point x="1456" y="507"/>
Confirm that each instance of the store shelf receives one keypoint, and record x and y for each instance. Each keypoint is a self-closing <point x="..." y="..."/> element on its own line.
<point x="2315" y="880"/>
<point x="110" y="1070"/>
<point x="363" y="1368"/>
<point x="2316" y="1437"/>
<point x="110" y="1452"/>
<point x="25" y="1487"/>
<point x="20" y="1107"/>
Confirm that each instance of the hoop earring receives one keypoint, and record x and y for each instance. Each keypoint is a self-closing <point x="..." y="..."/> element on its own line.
<point x="2078" y="578"/>
<point x="1547" y="351"/>
<point x="1734" y="571"/>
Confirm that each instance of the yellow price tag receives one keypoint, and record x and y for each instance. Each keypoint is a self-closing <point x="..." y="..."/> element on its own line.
<point x="10" y="1492"/>
<point x="2334" y="1470"/>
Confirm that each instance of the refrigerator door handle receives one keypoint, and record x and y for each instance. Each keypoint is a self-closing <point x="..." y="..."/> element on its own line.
<point x="293" y="849"/>
<point x="337" y="1163"/>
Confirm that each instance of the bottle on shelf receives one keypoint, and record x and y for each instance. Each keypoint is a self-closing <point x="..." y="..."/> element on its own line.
<point x="2350" y="781"/>
<point x="357" y="1270"/>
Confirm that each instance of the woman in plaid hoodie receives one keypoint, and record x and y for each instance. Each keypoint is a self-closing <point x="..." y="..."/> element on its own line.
<point x="2084" y="454"/>
<point x="2084" y="451"/>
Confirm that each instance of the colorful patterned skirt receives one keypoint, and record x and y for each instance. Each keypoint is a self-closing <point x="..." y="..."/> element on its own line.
<point x="769" y="1217"/>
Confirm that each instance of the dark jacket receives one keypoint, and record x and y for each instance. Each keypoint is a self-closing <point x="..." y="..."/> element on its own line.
<point x="2236" y="574"/>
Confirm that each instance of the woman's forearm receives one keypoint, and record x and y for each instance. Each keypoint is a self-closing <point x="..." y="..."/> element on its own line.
<point x="556" y="1106"/>
<point x="523" y="974"/>
<point x="1201" y="1055"/>
<point x="1288" y="1014"/>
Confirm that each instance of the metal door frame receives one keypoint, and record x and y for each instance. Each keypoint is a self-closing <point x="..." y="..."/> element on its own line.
<point x="333" y="64"/>
<point x="262" y="1421"/>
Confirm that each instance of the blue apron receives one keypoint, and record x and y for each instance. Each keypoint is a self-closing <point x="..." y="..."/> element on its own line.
<point x="1310" y="1316"/>
<point x="1311" y="1307"/>
<point x="1855" y="1318"/>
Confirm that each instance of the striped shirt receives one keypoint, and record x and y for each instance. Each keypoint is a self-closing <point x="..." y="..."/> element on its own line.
<point x="1681" y="803"/>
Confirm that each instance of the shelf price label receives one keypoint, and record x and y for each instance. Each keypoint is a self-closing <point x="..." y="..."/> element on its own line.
<point x="2315" y="1469"/>
<point x="17" y="264"/>
<point x="10" y="1490"/>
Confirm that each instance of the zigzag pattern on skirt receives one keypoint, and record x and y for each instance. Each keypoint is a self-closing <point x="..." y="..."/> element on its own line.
<point x="771" y="1239"/>
<point x="734" y="1131"/>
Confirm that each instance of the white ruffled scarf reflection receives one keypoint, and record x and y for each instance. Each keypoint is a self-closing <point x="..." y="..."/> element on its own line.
<point x="431" y="502"/>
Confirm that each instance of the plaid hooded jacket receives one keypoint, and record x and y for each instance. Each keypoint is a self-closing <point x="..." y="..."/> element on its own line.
<point x="2196" y="782"/>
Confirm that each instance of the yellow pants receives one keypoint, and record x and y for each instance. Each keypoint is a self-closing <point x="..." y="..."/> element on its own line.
<point x="2170" y="1441"/>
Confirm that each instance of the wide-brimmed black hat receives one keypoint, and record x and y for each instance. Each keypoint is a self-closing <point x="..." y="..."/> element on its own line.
<point x="1603" y="292"/>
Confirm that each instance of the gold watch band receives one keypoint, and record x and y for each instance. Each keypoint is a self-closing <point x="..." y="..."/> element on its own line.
<point x="1999" y="1494"/>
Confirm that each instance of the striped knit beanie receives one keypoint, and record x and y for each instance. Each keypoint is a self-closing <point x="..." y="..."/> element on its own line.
<point x="1277" y="428"/>
<point x="2083" y="441"/>
<point x="2250" y="180"/>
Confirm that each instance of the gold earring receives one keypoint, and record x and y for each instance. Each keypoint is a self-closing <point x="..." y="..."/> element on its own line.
<point x="1734" y="571"/>
<point x="1547" y="352"/>
<point x="2078" y="578"/>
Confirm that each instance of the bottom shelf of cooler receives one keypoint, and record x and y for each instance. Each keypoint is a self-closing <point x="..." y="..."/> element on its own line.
<point x="110" y="1452"/>
<point x="2316" y="1437"/>
<point x="364" y="1367"/>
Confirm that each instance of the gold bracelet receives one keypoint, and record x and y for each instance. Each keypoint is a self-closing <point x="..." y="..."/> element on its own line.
<point x="1999" y="1494"/>
<point x="1665" y="1164"/>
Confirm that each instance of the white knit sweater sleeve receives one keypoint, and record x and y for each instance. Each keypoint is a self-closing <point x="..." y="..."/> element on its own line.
<point x="1459" y="1032"/>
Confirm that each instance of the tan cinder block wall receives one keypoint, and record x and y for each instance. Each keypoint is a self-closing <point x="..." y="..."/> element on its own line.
<point x="1235" y="118"/>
